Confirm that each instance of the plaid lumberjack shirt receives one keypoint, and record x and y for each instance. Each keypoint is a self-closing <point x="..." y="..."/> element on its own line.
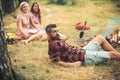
<point x="61" y="51"/>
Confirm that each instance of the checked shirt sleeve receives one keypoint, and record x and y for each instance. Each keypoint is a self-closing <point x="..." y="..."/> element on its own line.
<point x="55" y="51"/>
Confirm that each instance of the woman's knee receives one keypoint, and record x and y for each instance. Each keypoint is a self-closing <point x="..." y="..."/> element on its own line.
<point x="39" y="33"/>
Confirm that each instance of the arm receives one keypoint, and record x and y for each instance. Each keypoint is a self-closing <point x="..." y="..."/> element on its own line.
<point x="34" y="24"/>
<point x="64" y="38"/>
<point x="19" y="24"/>
<point x="56" y="56"/>
<point x="68" y="64"/>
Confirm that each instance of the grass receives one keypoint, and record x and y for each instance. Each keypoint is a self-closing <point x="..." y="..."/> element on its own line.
<point x="31" y="61"/>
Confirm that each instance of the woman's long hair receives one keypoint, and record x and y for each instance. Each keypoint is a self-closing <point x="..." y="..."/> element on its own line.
<point x="39" y="12"/>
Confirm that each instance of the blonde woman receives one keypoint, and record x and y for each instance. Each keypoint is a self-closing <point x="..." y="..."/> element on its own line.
<point x="25" y="31"/>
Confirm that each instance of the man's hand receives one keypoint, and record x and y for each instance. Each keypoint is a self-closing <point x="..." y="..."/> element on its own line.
<point x="78" y="63"/>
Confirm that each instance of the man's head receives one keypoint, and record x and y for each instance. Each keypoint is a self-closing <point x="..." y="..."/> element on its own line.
<point x="52" y="31"/>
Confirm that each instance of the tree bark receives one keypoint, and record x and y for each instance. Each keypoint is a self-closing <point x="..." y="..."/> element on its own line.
<point x="8" y="6"/>
<point x="6" y="71"/>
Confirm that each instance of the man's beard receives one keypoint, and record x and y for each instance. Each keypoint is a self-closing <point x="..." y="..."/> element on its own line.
<point x="56" y="38"/>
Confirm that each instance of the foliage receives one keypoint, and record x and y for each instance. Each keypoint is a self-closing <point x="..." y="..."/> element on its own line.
<point x="63" y="2"/>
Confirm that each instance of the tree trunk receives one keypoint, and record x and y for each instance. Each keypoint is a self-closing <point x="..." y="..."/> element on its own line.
<point x="8" y="6"/>
<point x="6" y="71"/>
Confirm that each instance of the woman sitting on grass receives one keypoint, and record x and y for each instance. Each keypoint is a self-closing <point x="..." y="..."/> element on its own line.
<point x="35" y="19"/>
<point x="25" y="31"/>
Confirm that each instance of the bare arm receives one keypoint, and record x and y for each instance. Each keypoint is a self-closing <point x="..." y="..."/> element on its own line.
<point x="68" y="64"/>
<point x="33" y="24"/>
<point x="19" y="24"/>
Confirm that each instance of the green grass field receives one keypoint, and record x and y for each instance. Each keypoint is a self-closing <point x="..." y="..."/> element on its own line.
<point x="31" y="61"/>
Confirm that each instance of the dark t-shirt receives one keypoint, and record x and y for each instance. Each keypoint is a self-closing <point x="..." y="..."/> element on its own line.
<point x="61" y="51"/>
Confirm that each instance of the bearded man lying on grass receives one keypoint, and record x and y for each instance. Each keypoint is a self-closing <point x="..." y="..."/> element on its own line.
<point x="66" y="55"/>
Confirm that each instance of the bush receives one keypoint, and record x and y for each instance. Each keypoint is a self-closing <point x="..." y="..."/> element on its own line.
<point x="63" y="2"/>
